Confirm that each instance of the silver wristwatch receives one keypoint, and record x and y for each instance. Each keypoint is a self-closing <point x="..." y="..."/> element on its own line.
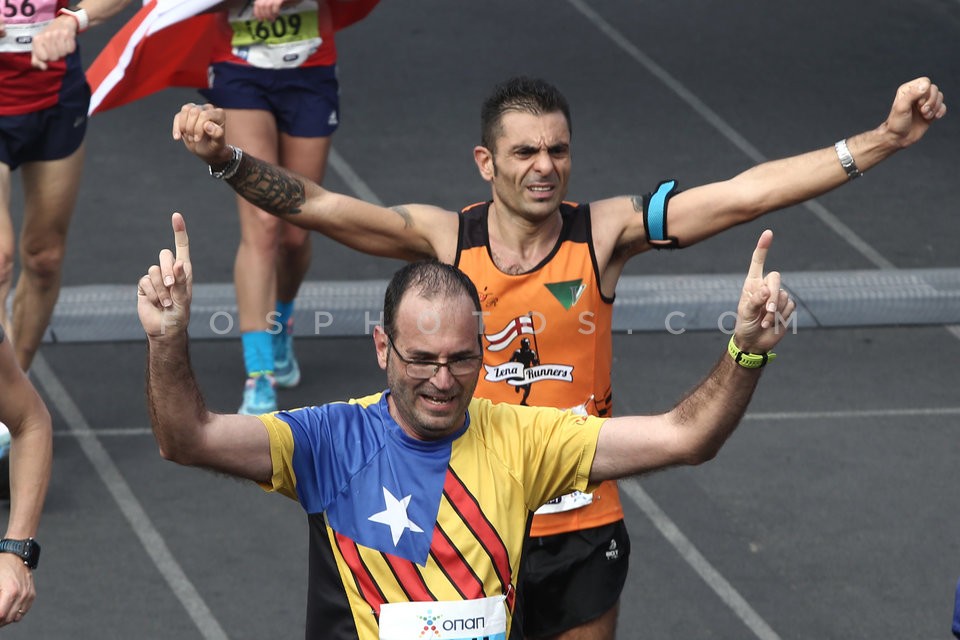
<point x="231" y="167"/>
<point x="846" y="160"/>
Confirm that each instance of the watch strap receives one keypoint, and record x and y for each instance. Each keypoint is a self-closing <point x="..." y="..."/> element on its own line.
<point x="79" y="14"/>
<point x="846" y="160"/>
<point x="27" y="550"/>
<point x="231" y="167"/>
<point x="748" y="360"/>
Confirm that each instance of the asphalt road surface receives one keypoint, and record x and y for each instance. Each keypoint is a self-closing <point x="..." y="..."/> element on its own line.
<point x="832" y="513"/>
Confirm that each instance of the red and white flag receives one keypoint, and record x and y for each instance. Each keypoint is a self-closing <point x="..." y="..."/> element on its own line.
<point x="168" y="43"/>
<point x="501" y="340"/>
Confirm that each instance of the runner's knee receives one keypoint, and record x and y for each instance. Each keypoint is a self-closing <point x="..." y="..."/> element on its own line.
<point x="294" y="243"/>
<point x="263" y="237"/>
<point x="43" y="263"/>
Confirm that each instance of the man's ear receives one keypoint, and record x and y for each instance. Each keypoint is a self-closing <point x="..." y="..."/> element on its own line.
<point x="380" y="342"/>
<point x="484" y="159"/>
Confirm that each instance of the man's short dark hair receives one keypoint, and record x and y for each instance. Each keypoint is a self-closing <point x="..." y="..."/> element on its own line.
<point x="528" y="95"/>
<point x="429" y="279"/>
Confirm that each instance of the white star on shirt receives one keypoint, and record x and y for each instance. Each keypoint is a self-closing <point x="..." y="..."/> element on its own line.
<point x="395" y="516"/>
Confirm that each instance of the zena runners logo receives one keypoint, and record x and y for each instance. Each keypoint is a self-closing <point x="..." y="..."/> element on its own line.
<point x="524" y="368"/>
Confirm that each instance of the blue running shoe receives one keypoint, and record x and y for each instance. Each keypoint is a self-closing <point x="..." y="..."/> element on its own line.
<point x="286" y="369"/>
<point x="259" y="396"/>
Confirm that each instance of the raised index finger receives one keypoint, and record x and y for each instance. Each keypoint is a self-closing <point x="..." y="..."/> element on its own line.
<point x="180" y="238"/>
<point x="760" y="255"/>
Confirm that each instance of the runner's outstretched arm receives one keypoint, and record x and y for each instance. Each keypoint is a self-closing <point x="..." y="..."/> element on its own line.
<point x="186" y="431"/>
<point x="695" y="430"/>
<point x="408" y="232"/>
<point x="701" y="212"/>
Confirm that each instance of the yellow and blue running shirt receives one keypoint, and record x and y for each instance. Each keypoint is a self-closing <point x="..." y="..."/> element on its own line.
<point x="399" y="520"/>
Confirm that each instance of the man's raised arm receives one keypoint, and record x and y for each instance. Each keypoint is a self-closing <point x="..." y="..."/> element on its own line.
<point x="695" y="430"/>
<point x="700" y="212"/>
<point x="186" y="431"/>
<point x="408" y="232"/>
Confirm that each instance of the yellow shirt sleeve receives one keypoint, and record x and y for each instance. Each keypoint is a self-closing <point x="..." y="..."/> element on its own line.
<point x="551" y="451"/>
<point x="283" y="480"/>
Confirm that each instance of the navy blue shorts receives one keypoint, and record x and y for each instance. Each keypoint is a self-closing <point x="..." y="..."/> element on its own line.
<point x="305" y="101"/>
<point x="48" y="134"/>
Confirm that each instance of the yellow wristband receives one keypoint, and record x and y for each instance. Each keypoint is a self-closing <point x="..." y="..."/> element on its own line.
<point x="748" y="360"/>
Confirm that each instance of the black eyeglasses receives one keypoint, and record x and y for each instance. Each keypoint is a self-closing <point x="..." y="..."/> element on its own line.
<point x="424" y="370"/>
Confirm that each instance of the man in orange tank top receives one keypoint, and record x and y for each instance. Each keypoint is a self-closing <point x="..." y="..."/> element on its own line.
<point x="547" y="270"/>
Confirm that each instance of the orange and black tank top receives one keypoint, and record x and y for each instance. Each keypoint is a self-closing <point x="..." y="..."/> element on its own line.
<point x="547" y="342"/>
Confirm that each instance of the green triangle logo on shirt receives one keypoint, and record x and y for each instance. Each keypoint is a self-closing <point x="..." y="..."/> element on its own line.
<point x="567" y="293"/>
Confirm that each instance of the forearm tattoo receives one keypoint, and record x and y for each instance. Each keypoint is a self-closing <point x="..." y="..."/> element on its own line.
<point x="404" y="213"/>
<point x="637" y="203"/>
<point x="272" y="188"/>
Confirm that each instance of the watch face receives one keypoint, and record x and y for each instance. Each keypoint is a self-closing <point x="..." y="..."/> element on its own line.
<point x="28" y="550"/>
<point x="32" y="553"/>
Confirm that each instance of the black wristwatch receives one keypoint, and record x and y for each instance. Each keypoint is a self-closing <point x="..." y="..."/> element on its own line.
<point x="27" y="550"/>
